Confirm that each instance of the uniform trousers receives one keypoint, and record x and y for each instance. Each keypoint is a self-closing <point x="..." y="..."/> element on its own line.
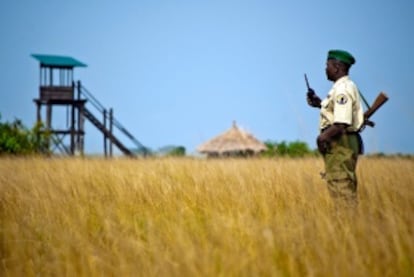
<point x="340" y="168"/>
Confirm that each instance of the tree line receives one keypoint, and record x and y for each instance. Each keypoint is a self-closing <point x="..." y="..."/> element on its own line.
<point x="17" y="139"/>
<point x="293" y="149"/>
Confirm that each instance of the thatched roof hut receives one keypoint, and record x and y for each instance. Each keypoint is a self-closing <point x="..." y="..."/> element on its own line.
<point x="233" y="142"/>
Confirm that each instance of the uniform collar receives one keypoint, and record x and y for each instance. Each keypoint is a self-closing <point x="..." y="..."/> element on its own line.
<point x="342" y="79"/>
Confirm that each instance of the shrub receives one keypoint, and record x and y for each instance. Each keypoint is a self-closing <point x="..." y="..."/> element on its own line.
<point x="16" y="139"/>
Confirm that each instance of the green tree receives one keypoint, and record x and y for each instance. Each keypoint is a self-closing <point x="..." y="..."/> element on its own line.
<point x="298" y="149"/>
<point x="178" y="151"/>
<point x="285" y="149"/>
<point x="270" y="149"/>
<point x="16" y="139"/>
<point x="282" y="149"/>
<point x="171" y="150"/>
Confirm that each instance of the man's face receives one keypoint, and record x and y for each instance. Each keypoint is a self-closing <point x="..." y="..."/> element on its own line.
<point x="331" y="69"/>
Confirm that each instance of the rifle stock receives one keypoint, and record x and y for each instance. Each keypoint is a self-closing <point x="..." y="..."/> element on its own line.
<point x="379" y="101"/>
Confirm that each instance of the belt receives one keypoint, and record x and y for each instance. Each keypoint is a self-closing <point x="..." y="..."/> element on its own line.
<point x="349" y="132"/>
<point x="352" y="132"/>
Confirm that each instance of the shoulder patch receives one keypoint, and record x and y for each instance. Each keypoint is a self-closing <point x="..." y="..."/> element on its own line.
<point x="341" y="99"/>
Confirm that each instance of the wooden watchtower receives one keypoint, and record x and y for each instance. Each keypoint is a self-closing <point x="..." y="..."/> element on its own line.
<point x="57" y="88"/>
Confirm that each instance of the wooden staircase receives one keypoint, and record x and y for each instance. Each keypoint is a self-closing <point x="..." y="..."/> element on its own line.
<point x="85" y="94"/>
<point x="106" y="132"/>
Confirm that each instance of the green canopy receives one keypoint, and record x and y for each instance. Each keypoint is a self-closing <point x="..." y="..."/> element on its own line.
<point x="58" y="61"/>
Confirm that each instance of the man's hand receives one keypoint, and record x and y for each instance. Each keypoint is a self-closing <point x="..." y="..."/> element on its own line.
<point x="326" y="137"/>
<point x="323" y="146"/>
<point x="312" y="99"/>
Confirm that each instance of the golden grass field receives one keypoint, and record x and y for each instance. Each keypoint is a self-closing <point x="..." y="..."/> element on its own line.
<point x="195" y="217"/>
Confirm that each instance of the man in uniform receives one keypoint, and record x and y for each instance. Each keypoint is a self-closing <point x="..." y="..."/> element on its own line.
<point x="341" y="118"/>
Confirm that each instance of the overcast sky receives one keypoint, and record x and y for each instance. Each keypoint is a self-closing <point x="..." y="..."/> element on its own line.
<point x="180" y="72"/>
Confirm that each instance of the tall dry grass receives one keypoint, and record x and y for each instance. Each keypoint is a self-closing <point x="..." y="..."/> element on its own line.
<point x="190" y="217"/>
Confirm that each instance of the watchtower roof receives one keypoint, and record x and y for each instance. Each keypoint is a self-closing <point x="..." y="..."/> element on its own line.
<point x="58" y="61"/>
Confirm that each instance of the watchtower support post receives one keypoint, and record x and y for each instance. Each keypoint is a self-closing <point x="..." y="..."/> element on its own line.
<point x="111" y="120"/>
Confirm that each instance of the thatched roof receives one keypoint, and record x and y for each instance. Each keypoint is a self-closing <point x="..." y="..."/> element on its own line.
<point x="234" y="140"/>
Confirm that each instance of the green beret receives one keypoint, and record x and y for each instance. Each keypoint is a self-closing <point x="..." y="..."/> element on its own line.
<point x="342" y="56"/>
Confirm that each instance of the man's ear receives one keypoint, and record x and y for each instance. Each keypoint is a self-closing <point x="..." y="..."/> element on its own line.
<point x="337" y="66"/>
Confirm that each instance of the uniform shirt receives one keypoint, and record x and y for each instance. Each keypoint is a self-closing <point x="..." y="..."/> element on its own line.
<point x="342" y="105"/>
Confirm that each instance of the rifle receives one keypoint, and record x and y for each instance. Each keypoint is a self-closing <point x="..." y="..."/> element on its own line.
<point x="379" y="101"/>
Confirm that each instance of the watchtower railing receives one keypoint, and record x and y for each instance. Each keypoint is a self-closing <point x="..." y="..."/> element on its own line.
<point x="82" y="92"/>
<point x="56" y="93"/>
